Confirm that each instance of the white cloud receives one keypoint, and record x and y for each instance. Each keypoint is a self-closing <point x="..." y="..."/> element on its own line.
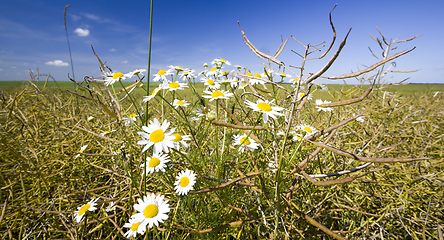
<point x="14" y="67"/>
<point x="1" y="69"/>
<point x="125" y="61"/>
<point x="57" y="63"/>
<point x="82" y="32"/>
<point x="439" y="67"/>
<point x="92" y="17"/>
<point x="113" y="50"/>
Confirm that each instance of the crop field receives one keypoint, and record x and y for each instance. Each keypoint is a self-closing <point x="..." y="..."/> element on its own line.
<point x="47" y="177"/>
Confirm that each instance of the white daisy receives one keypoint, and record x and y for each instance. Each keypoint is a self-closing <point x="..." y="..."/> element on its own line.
<point x="202" y="112"/>
<point x="309" y="130"/>
<point x="295" y="80"/>
<point x="173" y="86"/>
<point x="297" y="137"/>
<point x="131" y="119"/>
<point x="217" y="94"/>
<point x="155" y="134"/>
<point x="110" y="80"/>
<point x="214" y="71"/>
<point x="185" y="181"/>
<point x="90" y="206"/>
<point x="244" y="142"/>
<point x="211" y="115"/>
<point x="156" y="163"/>
<point x="319" y="103"/>
<point x="119" y="151"/>
<point x="180" y="139"/>
<point x="220" y="61"/>
<point x="111" y="207"/>
<point x="153" y="94"/>
<point x="137" y="72"/>
<point x="267" y="74"/>
<point x="180" y="103"/>
<point x="210" y="83"/>
<point x="81" y="150"/>
<point x="301" y="94"/>
<point x="188" y="73"/>
<point x="152" y="210"/>
<point x="134" y="228"/>
<point x="175" y="68"/>
<point x="106" y="132"/>
<point x="234" y="82"/>
<point x="283" y="75"/>
<point x="266" y="108"/>
<point x="255" y="81"/>
<point x="321" y="86"/>
<point x="90" y="118"/>
<point x="161" y="75"/>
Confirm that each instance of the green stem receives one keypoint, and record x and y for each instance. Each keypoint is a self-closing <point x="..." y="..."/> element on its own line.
<point x="148" y="81"/>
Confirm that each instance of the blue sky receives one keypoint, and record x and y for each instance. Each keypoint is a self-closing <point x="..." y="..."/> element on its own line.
<point x="190" y="33"/>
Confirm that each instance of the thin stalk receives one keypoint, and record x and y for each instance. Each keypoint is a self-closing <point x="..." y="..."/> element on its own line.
<point x="148" y="87"/>
<point x="278" y="173"/>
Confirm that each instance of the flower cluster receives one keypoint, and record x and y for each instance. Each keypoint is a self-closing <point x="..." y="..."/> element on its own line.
<point x="159" y="141"/>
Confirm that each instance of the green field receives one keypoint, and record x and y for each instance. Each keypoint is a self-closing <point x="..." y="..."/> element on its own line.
<point x="384" y="174"/>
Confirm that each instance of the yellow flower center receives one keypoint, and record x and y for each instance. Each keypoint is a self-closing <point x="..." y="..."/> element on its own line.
<point x="132" y="115"/>
<point x="249" y="74"/>
<point x="205" y="111"/>
<point x="180" y="102"/>
<point x="301" y="94"/>
<point x="308" y="129"/>
<point x="136" y="72"/>
<point x="157" y="136"/>
<point x="117" y="75"/>
<point x="245" y="141"/>
<point x="179" y="68"/>
<point x="217" y="94"/>
<point x="223" y="60"/>
<point x="184" y="181"/>
<point x="213" y="69"/>
<point x="296" y="79"/>
<point x="225" y="73"/>
<point x="178" y="137"/>
<point x="84" y="209"/>
<point x="154" y="162"/>
<point x="174" y="85"/>
<point x="264" y="106"/>
<point x="134" y="226"/>
<point x="283" y="74"/>
<point x="151" y="211"/>
<point x="161" y="72"/>
<point x="257" y="75"/>
<point x="211" y="82"/>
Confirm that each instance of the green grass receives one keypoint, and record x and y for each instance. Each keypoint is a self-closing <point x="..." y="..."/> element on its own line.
<point x="43" y="184"/>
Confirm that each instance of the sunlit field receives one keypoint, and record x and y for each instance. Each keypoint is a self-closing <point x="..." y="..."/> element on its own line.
<point x="223" y="153"/>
